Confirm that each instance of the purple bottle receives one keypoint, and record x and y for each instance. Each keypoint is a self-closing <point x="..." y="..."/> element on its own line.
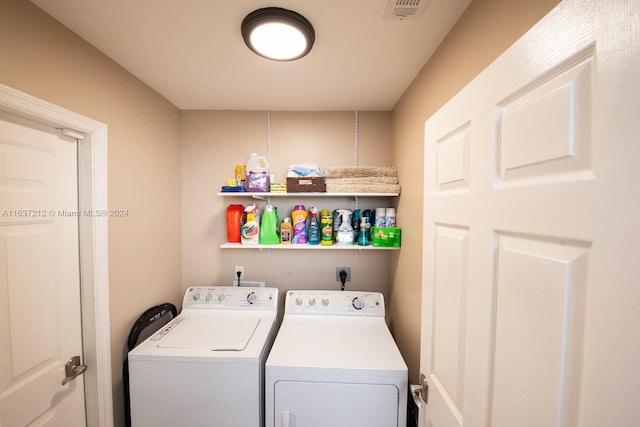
<point x="299" y="220"/>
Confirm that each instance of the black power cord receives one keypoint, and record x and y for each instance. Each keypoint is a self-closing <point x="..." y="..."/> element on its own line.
<point x="343" y="278"/>
<point x="238" y="273"/>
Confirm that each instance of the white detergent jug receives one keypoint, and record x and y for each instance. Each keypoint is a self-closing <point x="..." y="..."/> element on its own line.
<point x="257" y="164"/>
<point x="257" y="179"/>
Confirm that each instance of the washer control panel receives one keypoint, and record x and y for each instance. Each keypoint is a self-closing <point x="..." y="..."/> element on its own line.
<point x="352" y="303"/>
<point x="230" y="297"/>
<point x="168" y="328"/>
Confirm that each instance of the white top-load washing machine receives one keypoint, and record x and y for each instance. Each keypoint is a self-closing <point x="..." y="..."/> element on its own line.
<point x="206" y="367"/>
<point x="335" y="363"/>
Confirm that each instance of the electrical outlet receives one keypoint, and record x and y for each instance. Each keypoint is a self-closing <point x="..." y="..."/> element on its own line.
<point x="348" y="271"/>
<point x="240" y="269"/>
<point x="251" y="284"/>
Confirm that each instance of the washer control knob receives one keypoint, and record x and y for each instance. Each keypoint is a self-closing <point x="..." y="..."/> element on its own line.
<point x="221" y="297"/>
<point x="358" y="303"/>
<point x="209" y="297"/>
<point x="299" y="302"/>
<point x="252" y="298"/>
<point x="196" y="296"/>
<point x="312" y="302"/>
<point x="325" y="302"/>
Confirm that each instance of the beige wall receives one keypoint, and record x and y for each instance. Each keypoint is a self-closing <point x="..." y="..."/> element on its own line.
<point x="44" y="59"/>
<point x="153" y="176"/>
<point x="486" y="29"/>
<point x="213" y="142"/>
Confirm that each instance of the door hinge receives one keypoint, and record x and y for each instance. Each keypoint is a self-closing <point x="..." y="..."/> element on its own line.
<point x="70" y="133"/>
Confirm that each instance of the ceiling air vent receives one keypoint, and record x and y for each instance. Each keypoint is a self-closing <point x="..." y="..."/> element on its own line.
<point x="401" y="10"/>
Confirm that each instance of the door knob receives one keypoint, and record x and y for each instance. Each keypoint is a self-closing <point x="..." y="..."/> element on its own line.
<point x="72" y="369"/>
<point x="420" y="392"/>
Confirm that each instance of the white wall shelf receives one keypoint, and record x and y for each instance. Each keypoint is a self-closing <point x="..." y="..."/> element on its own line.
<point x="263" y="195"/>
<point x="334" y="247"/>
<point x="306" y="246"/>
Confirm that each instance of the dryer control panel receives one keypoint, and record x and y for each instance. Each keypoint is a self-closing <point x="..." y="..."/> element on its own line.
<point x="352" y="303"/>
<point x="231" y="298"/>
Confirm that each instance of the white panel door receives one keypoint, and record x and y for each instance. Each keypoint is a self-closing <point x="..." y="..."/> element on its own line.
<point x="40" y="324"/>
<point x="532" y="207"/>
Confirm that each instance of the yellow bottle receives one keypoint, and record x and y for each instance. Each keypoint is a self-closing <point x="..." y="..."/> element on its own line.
<point x="326" y="227"/>
<point x="286" y="231"/>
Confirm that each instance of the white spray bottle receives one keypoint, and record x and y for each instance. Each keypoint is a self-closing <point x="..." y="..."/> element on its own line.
<point x="345" y="232"/>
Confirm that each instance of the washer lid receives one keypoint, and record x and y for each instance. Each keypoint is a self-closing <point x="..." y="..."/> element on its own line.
<point x="212" y="333"/>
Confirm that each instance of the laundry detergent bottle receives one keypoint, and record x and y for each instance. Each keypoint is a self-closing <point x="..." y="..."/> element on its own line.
<point x="299" y="219"/>
<point x="257" y="179"/>
<point x="269" y="227"/>
<point x="234" y="223"/>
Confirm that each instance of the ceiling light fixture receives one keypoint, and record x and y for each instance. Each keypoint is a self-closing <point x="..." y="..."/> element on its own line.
<point x="278" y="34"/>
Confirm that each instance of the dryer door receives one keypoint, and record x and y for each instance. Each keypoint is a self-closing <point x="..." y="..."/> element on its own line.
<point x="317" y="404"/>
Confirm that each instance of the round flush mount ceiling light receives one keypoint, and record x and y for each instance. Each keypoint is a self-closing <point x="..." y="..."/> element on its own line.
<point x="278" y="34"/>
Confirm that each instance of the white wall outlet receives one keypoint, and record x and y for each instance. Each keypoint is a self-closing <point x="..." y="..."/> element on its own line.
<point x="253" y="284"/>
<point x="239" y="269"/>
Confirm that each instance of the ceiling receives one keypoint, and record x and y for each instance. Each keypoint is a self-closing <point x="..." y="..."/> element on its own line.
<point x="192" y="53"/>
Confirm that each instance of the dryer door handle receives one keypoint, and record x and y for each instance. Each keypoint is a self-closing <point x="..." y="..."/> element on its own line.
<point x="288" y="419"/>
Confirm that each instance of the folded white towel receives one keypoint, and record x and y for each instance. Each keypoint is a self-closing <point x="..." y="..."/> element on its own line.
<point x="360" y="171"/>
<point x="334" y="186"/>
<point x="364" y="180"/>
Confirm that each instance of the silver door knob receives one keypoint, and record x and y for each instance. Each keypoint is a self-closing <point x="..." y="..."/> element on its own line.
<point x="420" y="392"/>
<point x="72" y="369"/>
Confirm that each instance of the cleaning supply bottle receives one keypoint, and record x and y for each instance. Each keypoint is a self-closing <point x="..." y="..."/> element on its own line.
<point x="268" y="227"/>
<point x="257" y="178"/>
<point x="314" y="227"/>
<point x="255" y="211"/>
<point x="326" y="228"/>
<point x="379" y="220"/>
<point x="234" y="223"/>
<point x="299" y="219"/>
<point x="363" y="239"/>
<point x="355" y="224"/>
<point x="286" y="231"/>
<point x="345" y="231"/>
<point x="366" y="215"/>
<point x="390" y="217"/>
<point x="250" y="229"/>
<point x="337" y="220"/>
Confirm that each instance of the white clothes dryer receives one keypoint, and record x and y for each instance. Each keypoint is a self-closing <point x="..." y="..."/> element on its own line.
<point x="206" y="367"/>
<point x="335" y="363"/>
